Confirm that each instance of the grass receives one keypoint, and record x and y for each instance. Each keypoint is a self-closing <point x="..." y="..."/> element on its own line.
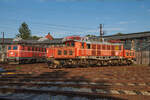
<point x="18" y="67"/>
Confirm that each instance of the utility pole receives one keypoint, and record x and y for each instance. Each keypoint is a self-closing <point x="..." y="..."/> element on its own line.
<point x="101" y="32"/>
<point x="3" y="38"/>
<point x="3" y="49"/>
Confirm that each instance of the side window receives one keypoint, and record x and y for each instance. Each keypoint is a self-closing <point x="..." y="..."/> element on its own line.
<point x="70" y="52"/>
<point x="103" y="46"/>
<point x="59" y="52"/>
<point x="15" y="47"/>
<point x="28" y="48"/>
<point x="32" y="48"/>
<point x="133" y="53"/>
<point x="88" y="46"/>
<point x="65" y="52"/>
<point x="82" y="45"/>
<point x="98" y="46"/>
<point x="9" y="47"/>
<point x="108" y="47"/>
<point x="22" y="47"/>
<point x="119" y="47"/>
<point x="93" y="46"/>
<point x="113" y="47"/>
<point x="127" y="54"/>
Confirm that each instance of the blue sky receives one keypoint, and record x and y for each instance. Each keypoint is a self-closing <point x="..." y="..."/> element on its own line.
<point x="74" y="17"/>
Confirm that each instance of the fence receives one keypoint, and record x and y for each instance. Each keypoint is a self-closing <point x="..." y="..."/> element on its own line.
<point x="143" y="57"/>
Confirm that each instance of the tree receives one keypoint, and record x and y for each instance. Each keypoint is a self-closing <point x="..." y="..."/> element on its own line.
<point x="35" y="37"/>
<point x="119" y="34"/>
<point x="24" y="31"/>
<point x="90" y="35"/>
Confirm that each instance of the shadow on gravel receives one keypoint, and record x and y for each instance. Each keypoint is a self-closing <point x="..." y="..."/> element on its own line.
<point x="102" y="94"/>
<point x="86" y="83"/>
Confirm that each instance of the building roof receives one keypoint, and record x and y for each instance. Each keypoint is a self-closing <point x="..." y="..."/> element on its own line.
<point x="129" y="36"/>
<point x="59" y="40"/>
<point x="126" y="36"/>
<point x="6" y="40"/>
<point x="48" y="36"/>
<point x="54" y="41"/>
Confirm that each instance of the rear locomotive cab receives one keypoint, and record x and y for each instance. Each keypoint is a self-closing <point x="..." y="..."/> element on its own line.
<point x="13" y="53"/>
<point x="130" y="56"/>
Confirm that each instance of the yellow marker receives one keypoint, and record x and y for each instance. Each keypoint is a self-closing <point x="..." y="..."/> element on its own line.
<point x="8" y="73"/>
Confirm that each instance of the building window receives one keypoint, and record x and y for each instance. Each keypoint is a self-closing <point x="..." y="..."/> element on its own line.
<point x="65" y="52"/>
<point x="15" y="48"/>
<point x="59" y="52"/>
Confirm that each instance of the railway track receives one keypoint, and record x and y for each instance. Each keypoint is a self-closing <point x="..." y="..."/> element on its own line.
<point x="64" y="84"/>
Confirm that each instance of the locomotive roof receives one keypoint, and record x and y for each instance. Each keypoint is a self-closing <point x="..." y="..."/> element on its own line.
<point x="96" y="42"/>
<point x="106" y="43"/>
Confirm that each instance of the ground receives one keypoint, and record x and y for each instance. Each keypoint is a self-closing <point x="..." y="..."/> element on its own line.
<point x="130" y="82"/>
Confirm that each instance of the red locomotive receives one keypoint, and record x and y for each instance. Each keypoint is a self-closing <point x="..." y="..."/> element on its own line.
<point x="25" y="54"/>
<point x="79" y="51"/>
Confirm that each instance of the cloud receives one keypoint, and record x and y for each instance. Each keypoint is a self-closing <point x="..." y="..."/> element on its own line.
<point x="126" y="22"/>
<point x="114" y="29"/>
<point x="68" y="0"/>
<point x="123" y="22"/>
<point x="142" y="6"/>
<point x="148" y="10"/>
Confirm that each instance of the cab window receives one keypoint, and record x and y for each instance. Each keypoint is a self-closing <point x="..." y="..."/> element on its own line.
<point x="59" y="52"/>
<point x="72" y="44"/>
<point x="9" y="48"/>
<point x="88" y="46"/>
<point x="68" y="44"/>
<point x="70" y="52"/>
<point x="15" y="47"/>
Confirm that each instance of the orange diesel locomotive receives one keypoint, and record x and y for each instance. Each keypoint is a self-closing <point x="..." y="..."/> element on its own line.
<point x="17" y="54"/>
<point x="79" y="51"/>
